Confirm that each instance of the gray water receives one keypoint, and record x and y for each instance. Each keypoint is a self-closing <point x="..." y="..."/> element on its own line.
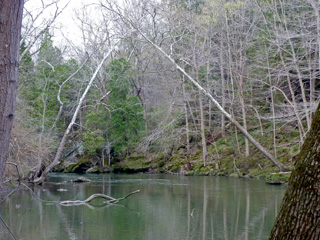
<point x="168" y="207"/>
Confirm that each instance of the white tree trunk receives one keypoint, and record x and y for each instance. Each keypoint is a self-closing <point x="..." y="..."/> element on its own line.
<point x="57" y="157"/>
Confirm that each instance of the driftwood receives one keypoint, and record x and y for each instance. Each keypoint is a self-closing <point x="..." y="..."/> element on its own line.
<point x="94" y="196"/>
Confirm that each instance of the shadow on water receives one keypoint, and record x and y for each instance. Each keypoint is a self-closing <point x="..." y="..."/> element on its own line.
<point x="168" y="207"/>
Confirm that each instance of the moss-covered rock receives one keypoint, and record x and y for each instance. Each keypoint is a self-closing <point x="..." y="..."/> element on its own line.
<point x="175" y="166"/>
<point x="80" y="167"/>
<point x="234" y="175"/>
<point x="277" y="178"/>
<point x="134" y="164"/>
<point x="98" y="169"/>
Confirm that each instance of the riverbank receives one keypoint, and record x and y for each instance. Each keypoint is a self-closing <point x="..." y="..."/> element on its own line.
<point x="225" y="158"/>
<point x="255" y="166"/>
<point x="231" y="167"/>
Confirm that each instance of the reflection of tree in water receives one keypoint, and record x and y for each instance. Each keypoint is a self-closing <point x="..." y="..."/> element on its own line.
<point x="168" y="207"/>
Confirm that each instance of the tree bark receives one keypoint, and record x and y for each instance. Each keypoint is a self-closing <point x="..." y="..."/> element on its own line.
<point x="10" y="28"/>
<point x="300" y="213"/>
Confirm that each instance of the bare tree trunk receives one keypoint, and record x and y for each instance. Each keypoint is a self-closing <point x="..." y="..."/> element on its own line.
<point x="210" y="104"/>
<point x="223" y="88"/>
<point x="10" y="28"/>
<point x="260" y="120"/>
<point x="56" y="160"/>
<point x="293" y="100"/>
<point x="244" y="117"/>
<point x="202" y="124"/>
<point x="299" y="214"/>
<point x="240" y="84"/>
<point x="203" y="137"/>
<point x="40" y="155"/>
<point x="273" y="124"/>
<point x="186" y="115"/>
<point x="272" y="108"/>
<point x="295" y="63"/>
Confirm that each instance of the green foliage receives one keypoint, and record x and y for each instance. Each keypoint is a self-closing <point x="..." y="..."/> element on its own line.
<point x="26" y="67"/>
<point x="122" y="124"/>
<point x="40" y="82"/>
<point x="126" y="121"/>
<point x="133" y="165"/>
<point x="93" y="141"/>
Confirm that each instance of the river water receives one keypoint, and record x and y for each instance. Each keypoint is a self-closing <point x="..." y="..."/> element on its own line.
<point x="168" y="207"/>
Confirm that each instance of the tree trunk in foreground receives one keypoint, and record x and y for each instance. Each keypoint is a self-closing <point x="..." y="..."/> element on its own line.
<point x="299" y="216"/>
<point x="10" y="28"/>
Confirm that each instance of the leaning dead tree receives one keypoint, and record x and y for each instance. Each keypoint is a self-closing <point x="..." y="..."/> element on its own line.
<point x="246" y="134"/>
<point x="57" y="157"/>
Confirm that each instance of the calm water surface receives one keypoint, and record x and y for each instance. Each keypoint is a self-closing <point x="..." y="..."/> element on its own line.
<point x="168" y="207"/>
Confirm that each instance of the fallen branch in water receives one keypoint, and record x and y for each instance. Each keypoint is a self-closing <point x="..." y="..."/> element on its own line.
<point x="94" y="196"/>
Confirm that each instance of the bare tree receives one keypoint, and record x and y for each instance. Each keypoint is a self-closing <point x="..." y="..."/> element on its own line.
<point x="115" y="9"/>
<point x="37" y="21"/>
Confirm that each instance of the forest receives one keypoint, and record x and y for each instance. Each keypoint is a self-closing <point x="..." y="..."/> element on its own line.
<point x="181" y="87"/>
<point x="187" y="88"/>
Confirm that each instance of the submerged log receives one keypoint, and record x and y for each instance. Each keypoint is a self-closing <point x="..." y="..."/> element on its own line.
<point x="94" y="196"/>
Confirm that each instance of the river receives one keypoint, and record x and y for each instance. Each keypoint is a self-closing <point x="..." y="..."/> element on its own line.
<point x="168" y="207"/>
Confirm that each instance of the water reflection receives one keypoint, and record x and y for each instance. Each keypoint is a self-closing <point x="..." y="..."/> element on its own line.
<point x="168" y="207"/>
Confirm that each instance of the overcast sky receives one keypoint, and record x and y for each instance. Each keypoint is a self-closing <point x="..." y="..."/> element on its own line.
<point x="66" y="20"/>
